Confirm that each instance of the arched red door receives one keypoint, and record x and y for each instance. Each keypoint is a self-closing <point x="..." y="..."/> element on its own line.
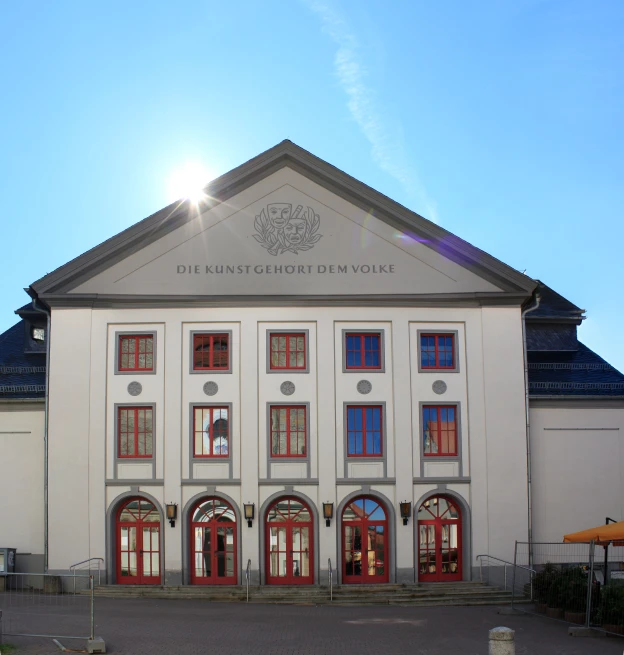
<point x="213" y="543"/>
<point x="138" y="543"/>
<point x="364" y="542"/>
<point x="289" y="543"/>
<point x="440" y="541"/>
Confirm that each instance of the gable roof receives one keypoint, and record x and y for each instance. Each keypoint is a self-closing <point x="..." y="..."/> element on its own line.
<point x="554" y="307"/>
<point x="286" y="153"/>
<point x="580" y="372"/>
<point x="22" y="374"/>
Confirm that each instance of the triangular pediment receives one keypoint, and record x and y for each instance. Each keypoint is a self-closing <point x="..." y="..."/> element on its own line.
<point x="284" y="224"/>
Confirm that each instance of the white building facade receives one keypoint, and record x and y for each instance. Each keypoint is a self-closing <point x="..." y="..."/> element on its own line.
<point x="295" y="347"/>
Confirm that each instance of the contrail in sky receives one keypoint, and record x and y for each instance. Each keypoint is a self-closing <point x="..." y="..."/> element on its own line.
<point x="387" y="150"/>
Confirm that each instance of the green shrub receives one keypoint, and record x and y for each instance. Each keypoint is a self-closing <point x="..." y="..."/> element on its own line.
<point x="542" y="583"/>
<point x="611" y="607"/>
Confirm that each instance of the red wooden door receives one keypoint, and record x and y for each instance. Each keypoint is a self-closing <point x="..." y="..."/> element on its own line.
<point x="138" y="543"/>
<point x="364" y="542"/>
<point x="213" y="543"/>
<point x="439" y="541"/>
<point x="289" y="543"/>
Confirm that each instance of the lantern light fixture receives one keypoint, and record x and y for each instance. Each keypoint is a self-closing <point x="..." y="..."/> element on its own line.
<point x="406" y="510"/>
<point x="249" y="513"/>
<point x="328" y="513"/>
<point x="172" y="513"/>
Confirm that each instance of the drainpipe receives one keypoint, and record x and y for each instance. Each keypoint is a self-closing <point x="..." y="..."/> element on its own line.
<point x="45" y="434"/>
<point x="531" y="308"/>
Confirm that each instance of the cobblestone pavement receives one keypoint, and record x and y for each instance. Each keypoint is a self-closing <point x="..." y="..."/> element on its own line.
<point x="185" y="627"/>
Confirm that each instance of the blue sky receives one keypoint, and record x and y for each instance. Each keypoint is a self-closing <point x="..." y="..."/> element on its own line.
<point x="499" y="120"/>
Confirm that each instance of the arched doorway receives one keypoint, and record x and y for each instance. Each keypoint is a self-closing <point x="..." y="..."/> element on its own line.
<point x="365" y="542"/>
<point x="213" y="542"/>
<point x="289" y="543"/>
<point x="440" y="540"/>
<point x="138" y="542"/>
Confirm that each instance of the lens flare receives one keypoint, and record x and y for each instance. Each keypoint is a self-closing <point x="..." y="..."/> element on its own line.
<point x="188" y="182"/>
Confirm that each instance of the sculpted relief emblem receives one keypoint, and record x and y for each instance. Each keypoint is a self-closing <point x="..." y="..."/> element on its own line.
<point x="279" y="229"/>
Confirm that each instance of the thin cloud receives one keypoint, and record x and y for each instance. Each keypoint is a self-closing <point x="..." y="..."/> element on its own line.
<point x="387" y="149"/>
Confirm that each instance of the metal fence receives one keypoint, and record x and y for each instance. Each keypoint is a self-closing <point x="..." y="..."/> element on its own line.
<point x="577" y="583"/>
<point x="42" y="605"/>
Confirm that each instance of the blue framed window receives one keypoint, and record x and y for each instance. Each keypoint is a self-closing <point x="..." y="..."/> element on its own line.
<point x="364" y="431"/>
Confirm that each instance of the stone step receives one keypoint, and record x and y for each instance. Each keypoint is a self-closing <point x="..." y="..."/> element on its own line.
<point x="311" y="596"/>
<point x="297" y="590"/>
<point x="459" y="593"/>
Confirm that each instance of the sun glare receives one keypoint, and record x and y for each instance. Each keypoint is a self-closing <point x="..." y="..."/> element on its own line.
<point x="188" y="182"/>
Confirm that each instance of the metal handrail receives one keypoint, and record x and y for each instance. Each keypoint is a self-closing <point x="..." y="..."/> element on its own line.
<point x="91" y="559"/>
<point x="247" y="575"/>
<point x="331" y="579"/>
<point x="506" y="564"/>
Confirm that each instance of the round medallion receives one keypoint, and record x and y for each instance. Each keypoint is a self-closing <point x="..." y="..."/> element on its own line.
<point x="439" y="387"/>
<point x="211" y="388"/>
<point x="287" y="388"/>
<point x="135" y="388"/>
<point x="364" y="386"/>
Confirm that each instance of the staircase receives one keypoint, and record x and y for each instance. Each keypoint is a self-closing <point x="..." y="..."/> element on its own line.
<point x="423" y="595"/>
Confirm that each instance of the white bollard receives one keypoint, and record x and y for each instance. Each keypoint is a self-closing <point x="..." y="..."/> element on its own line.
<point x="502" y="641"/>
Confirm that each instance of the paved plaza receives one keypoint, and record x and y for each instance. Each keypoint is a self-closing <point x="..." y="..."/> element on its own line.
<point x="154" y="627"/>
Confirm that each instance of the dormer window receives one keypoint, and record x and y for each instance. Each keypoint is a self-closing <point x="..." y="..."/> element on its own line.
<point x="38" y="334"/>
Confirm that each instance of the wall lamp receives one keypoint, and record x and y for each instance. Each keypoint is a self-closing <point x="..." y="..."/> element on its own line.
<point x="406" y="511"/>
<point x="172" y="513"/>
<point x="328" y="513"/>
<point x="250" y="509"/>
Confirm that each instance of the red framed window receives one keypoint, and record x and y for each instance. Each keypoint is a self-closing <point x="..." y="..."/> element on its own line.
<point x="437" y="351"/>
<point x="211" y="351"/>
<point x="211" y="432"/>
<point x="136" y="352"/>
<point x="363" y="350"/>
<point x="364" y="431"/>
<point x="135" y="430"/>
<point x="288" y="351"/>
<point x="288" y="431"/>
<point x="440" y="430"/>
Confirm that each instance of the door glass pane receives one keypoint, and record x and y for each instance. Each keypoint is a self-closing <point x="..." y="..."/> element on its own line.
<point x="124" y="564"/>
<point x="229" y="565"/>
<point x="147" y="564"/>
<point x="155" y="535"/>
<point x="370" y="555"/>
<point x="132" y="567"/>
<point x="380" y="550"/>
<point x="277" y="551"/>
<point x="453" y="535"/>
<point x="305" y="555"/>
<point x="220" y="552"/>
<point x="296" y="538"/>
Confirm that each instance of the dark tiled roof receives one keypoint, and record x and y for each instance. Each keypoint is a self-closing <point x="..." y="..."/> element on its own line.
<point x="573" y="373"/>
<point x="549" y="336"/>
<point x="552" y="305"/>
<point x="22" y="374"/>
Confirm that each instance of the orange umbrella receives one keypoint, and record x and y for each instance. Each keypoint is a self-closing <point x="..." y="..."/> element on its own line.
<point x="601" y="535"/>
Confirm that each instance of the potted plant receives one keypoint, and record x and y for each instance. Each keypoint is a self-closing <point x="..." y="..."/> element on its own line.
<point x="611" y="608"/>
<point x="555" y="595"/>
<point x="575" y="584"/>
<point x="541" y="585"/>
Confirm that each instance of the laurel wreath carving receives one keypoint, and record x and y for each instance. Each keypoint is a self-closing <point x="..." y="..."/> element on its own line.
<point x="274" y="239"/>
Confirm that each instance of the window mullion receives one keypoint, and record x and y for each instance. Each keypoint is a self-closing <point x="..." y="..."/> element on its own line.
<point x="211" y="429"/>
<point x="288" y="453"/>
<point x="136" y="432"/>
<point x="364" y="439"/>
<point x="439" y="431"/>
